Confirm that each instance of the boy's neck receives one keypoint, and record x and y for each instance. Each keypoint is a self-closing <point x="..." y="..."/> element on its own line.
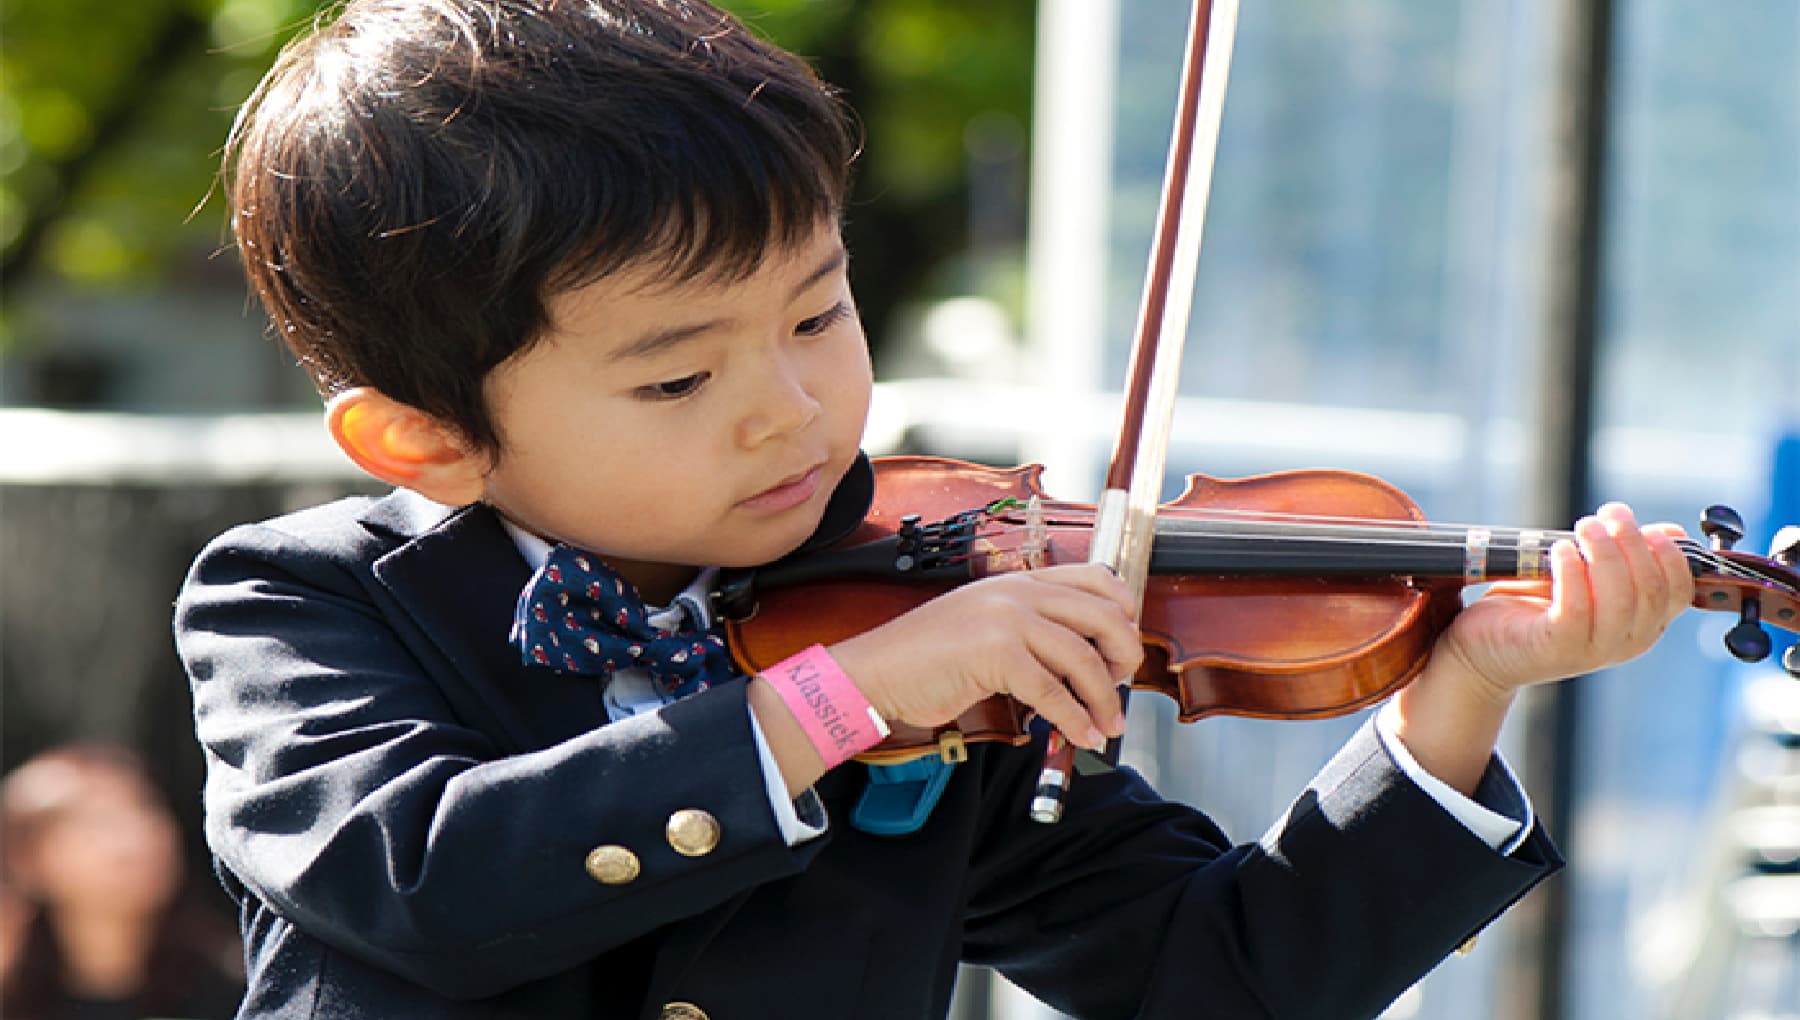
<point x="657" y="583"/>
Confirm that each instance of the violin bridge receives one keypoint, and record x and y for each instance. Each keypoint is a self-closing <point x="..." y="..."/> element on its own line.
<point x="1031" y="552"/>
<point x="1036" y="548"/>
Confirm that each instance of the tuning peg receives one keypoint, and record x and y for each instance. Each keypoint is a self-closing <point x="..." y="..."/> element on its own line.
<point x="1785" y="546"/>
<point x="1747" y="641"/>
<point x="1723" y="525"/>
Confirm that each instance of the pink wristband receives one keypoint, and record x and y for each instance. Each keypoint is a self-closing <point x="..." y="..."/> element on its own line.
<point x="838" y="720"/>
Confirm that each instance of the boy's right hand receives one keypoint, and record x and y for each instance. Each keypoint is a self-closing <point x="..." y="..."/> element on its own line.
<point x="1060" y="640"/>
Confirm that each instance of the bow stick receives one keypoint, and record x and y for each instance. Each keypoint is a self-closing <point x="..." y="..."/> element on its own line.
<point x="1125" y="516"/>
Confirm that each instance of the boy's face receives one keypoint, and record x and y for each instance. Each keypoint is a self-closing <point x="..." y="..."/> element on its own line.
<point x="673" y="426"/>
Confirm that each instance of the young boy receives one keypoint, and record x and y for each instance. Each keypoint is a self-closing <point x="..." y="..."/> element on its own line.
<point x="570" y="275"/>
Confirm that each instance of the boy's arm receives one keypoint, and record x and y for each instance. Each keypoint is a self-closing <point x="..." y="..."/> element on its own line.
<point x="1141" y="908"/>
<point x="347" y="794"/>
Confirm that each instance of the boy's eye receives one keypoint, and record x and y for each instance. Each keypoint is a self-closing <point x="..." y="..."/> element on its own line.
<point x="675" y="388"/>
<point x="820" y="323"/>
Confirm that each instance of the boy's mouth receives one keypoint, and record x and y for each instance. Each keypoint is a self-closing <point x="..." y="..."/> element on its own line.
<point x="788" y="493"/>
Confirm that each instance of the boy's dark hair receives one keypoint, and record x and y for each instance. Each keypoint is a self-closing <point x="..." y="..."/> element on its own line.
<point x="415" y="178"/>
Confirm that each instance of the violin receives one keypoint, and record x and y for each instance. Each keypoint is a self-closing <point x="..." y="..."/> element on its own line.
<point x="1294" y="595"/>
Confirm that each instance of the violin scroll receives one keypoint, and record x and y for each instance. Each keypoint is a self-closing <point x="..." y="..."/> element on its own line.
<point x="1760" y="590"/>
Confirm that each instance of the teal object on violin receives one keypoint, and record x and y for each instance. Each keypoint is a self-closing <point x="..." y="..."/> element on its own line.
<point x="899" y="798"/>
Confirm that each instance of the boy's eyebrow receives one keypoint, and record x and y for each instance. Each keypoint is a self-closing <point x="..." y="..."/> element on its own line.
<point x="658" y="340"/>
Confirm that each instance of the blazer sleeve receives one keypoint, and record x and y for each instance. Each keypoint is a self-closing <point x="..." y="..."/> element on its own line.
<point x="1143" y="908"/>
<point x="348" y="795"/>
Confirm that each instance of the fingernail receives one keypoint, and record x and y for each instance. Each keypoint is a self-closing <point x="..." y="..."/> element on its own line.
<point x="1096" y="741"/>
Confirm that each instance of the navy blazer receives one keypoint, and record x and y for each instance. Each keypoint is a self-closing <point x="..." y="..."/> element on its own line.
<point x="403" y="811"/>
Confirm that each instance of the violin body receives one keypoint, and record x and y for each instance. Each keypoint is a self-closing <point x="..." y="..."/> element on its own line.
<point x="1273" y="647"/>
<point x="1295" y="595"/>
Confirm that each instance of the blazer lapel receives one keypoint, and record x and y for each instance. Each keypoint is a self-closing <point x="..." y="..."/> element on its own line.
<point x="458" y="577"/>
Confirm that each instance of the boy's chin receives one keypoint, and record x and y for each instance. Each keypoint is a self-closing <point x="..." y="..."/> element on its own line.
<point x="777" y="547"/>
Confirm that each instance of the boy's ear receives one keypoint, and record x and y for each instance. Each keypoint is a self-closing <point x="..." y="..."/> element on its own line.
<point x="404" y="446"/>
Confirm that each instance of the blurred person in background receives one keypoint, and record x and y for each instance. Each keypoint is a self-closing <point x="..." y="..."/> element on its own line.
<point x="93" y="854"/>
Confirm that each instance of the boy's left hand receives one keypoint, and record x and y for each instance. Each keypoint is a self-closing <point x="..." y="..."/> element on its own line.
<point x="1612" y="591"/>
<point x="1611" y="594"/>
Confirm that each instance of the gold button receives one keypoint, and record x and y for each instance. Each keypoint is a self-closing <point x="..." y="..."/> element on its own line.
<point x="682" y="1011"/>
<point x="693" y="832"/>
<point x="1468" y="945"/>
<point x="612" y="865"/>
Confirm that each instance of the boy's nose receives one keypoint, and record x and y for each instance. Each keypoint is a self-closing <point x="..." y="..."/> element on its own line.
<point x="783" y="406"/>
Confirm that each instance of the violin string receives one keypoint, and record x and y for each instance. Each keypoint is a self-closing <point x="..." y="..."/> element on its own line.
<point x="1406" y="536"/>
<point x="1278" y="516"/>
<point x="1409" y="526"/>
<point x="1411" y="530"/>
<point x="1732" y="568"/>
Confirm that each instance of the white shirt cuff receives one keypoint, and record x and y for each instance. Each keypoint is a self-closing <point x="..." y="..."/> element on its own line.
<point x="1502" y="832"/>
<point x="787" y="811"/>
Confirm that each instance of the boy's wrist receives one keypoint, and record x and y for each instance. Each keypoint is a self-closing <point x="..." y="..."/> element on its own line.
<point x="798" y="761"/>
<point x="836" y="718"/>
<point x="1449" y="718"/>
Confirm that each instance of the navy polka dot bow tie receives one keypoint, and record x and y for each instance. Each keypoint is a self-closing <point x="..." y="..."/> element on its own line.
<point x="577" y="615"/>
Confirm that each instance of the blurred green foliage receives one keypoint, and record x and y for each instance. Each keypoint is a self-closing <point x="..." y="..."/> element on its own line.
<point x="112" y="116"/>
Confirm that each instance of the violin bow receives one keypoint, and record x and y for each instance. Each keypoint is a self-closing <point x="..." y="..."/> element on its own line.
<point x="1125" y="515"/>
